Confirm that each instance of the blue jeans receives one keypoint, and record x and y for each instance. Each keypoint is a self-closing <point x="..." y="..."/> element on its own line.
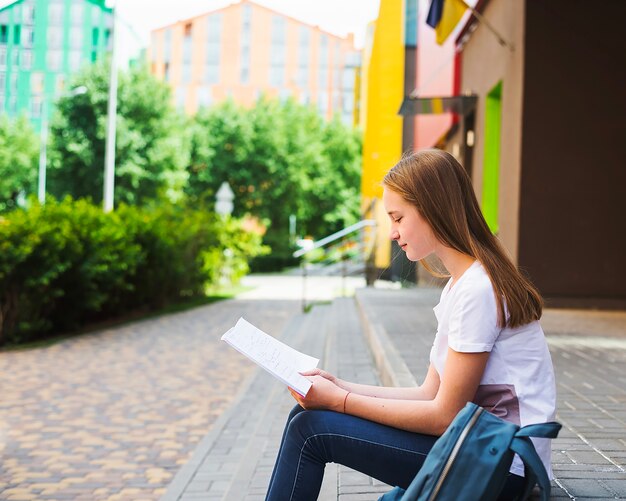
<point x="313" y="438"/>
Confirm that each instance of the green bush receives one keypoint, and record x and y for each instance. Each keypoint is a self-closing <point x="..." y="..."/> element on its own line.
<point x="67" y="263"/>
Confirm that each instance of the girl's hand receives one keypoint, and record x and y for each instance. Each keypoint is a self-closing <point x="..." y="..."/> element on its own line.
<point x="324" y="394"/>
<point x="322" y="373"/>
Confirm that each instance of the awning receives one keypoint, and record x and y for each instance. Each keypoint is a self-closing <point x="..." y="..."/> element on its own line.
<point x="461" y="105"/>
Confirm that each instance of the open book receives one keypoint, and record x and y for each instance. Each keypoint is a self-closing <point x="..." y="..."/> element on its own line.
<point x="280" y="360"/>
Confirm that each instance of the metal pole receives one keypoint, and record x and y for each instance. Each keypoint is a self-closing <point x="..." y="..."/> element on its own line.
<point x="109" y="155"/>
<point x="41" y="192"/>
<point x="303" y="265"/>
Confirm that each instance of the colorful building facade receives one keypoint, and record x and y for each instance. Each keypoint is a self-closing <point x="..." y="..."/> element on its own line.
<point x="246" y="50"/>
<point x="42" y="42"/>
<point x="539" y="103"/>
<point x="400" y="58"/>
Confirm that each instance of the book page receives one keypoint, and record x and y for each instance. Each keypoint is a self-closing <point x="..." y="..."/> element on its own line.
<point x="280" y="360"/>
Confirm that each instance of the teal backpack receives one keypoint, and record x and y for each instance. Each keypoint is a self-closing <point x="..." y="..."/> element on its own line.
<point x="471" y="460"/>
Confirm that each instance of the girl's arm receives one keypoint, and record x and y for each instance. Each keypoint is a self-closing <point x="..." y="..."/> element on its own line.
<point x="463" y="372"/>
<point x="426" y="391"/>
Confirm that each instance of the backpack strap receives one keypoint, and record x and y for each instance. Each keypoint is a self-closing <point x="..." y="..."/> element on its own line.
<point x="543" y="430"/>
<point x="534" y="470"/>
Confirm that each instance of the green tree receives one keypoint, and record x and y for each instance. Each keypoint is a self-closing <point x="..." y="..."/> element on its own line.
<point x="280" y="159"/>
<point x="19" y="150"/>
<point x="151" y="142"/>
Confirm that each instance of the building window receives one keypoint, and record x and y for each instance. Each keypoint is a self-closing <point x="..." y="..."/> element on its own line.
<point x="76" y="13"/>
<point x="212" y="74"/>
<point x="181" y="95"/>
<point x="166" y="72"/>
<point x="186" y="76"/>
<point x="95" y="34"/>
<point x="36" y="106"/>
<point x="76" y="37"/>
<point x="205" y="97"/>
<point x="304" y="54"/>
<point x="322" y="102"/>
<point x="17" y="32"/>
<point x="54" y="60"/>
<point x="247" y="16"/>
<point x="154" y="43"/>
<point x="36" y="82"/>
<point x="55" y="37"/>
<point x="13" y="83"/>
<point x="284" y="94"/>
<point x="4" y="33"/>
<point x="75" y="60"/>
<point x="108" y="39"/>
<point x="59" y="83"/>
<point x="28" y="36"/>
<point x="55" y="15"/>
<point x="337" y="66"/>
<point x="15" y="57"/>
<point x="3" y="82"/>
<point x="96" y="15"/>
<point x="3" y="57"/>
<point x="12" y="107"/>
<point x="278" y="51"/>
<point x="213" y="48"/>
<point x="167" y="45"/>
<point x="28" y="13"/>
<point x="246" y="28"/>
<point x="27" y="59"/>
<point x="348" y="104"/>
<point x="323" y="63"/>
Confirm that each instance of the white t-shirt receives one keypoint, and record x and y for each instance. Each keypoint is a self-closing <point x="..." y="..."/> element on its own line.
<point x="518" y="383"/>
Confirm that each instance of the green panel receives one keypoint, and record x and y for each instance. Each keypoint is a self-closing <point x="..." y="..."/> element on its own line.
<point x="39" y="50"/>
<point x="491" y="165"/>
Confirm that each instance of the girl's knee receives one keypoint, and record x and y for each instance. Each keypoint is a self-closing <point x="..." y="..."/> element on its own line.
<point x="307" y="424"/>
<point x="294" y="412"/>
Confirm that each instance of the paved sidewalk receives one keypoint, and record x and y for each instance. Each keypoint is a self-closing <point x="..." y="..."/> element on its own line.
<point x="391" y="342"/>
<point x="113" y="415"/>
<point x="589" y="354"/>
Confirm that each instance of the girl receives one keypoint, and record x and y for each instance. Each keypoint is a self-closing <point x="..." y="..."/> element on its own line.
<point x="489" y="348"/>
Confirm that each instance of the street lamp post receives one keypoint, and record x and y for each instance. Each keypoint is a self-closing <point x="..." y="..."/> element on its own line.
<point x="224" y="207"/>
<point x="43" y="147"/>
<point x="41" y="192"/>
<point x="224" y="200"/>
<point x="109" y="154"/>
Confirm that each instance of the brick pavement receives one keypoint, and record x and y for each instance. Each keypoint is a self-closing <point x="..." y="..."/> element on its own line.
<point x="114" y="414"/>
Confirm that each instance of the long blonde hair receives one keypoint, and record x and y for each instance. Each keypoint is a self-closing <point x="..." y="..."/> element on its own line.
<point x="438" y="186"/>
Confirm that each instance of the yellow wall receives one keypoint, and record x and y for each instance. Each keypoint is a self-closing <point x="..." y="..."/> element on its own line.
<point x="384" y="81"/>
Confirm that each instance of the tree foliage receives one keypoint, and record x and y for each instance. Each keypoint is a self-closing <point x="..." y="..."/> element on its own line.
<point x="19" y="151"/>
<point x="66" y="264"/>
<point x="280" y="159"/>
<point x="151" y="143"/>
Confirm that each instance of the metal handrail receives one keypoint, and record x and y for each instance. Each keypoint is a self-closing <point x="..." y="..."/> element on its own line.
<point x="335" y="236"/>
<point x="328" y="240"/>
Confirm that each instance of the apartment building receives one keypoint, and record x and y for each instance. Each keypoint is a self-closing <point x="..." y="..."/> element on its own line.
<point x="246" y="50"/>
<point x="42" y="42"/>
